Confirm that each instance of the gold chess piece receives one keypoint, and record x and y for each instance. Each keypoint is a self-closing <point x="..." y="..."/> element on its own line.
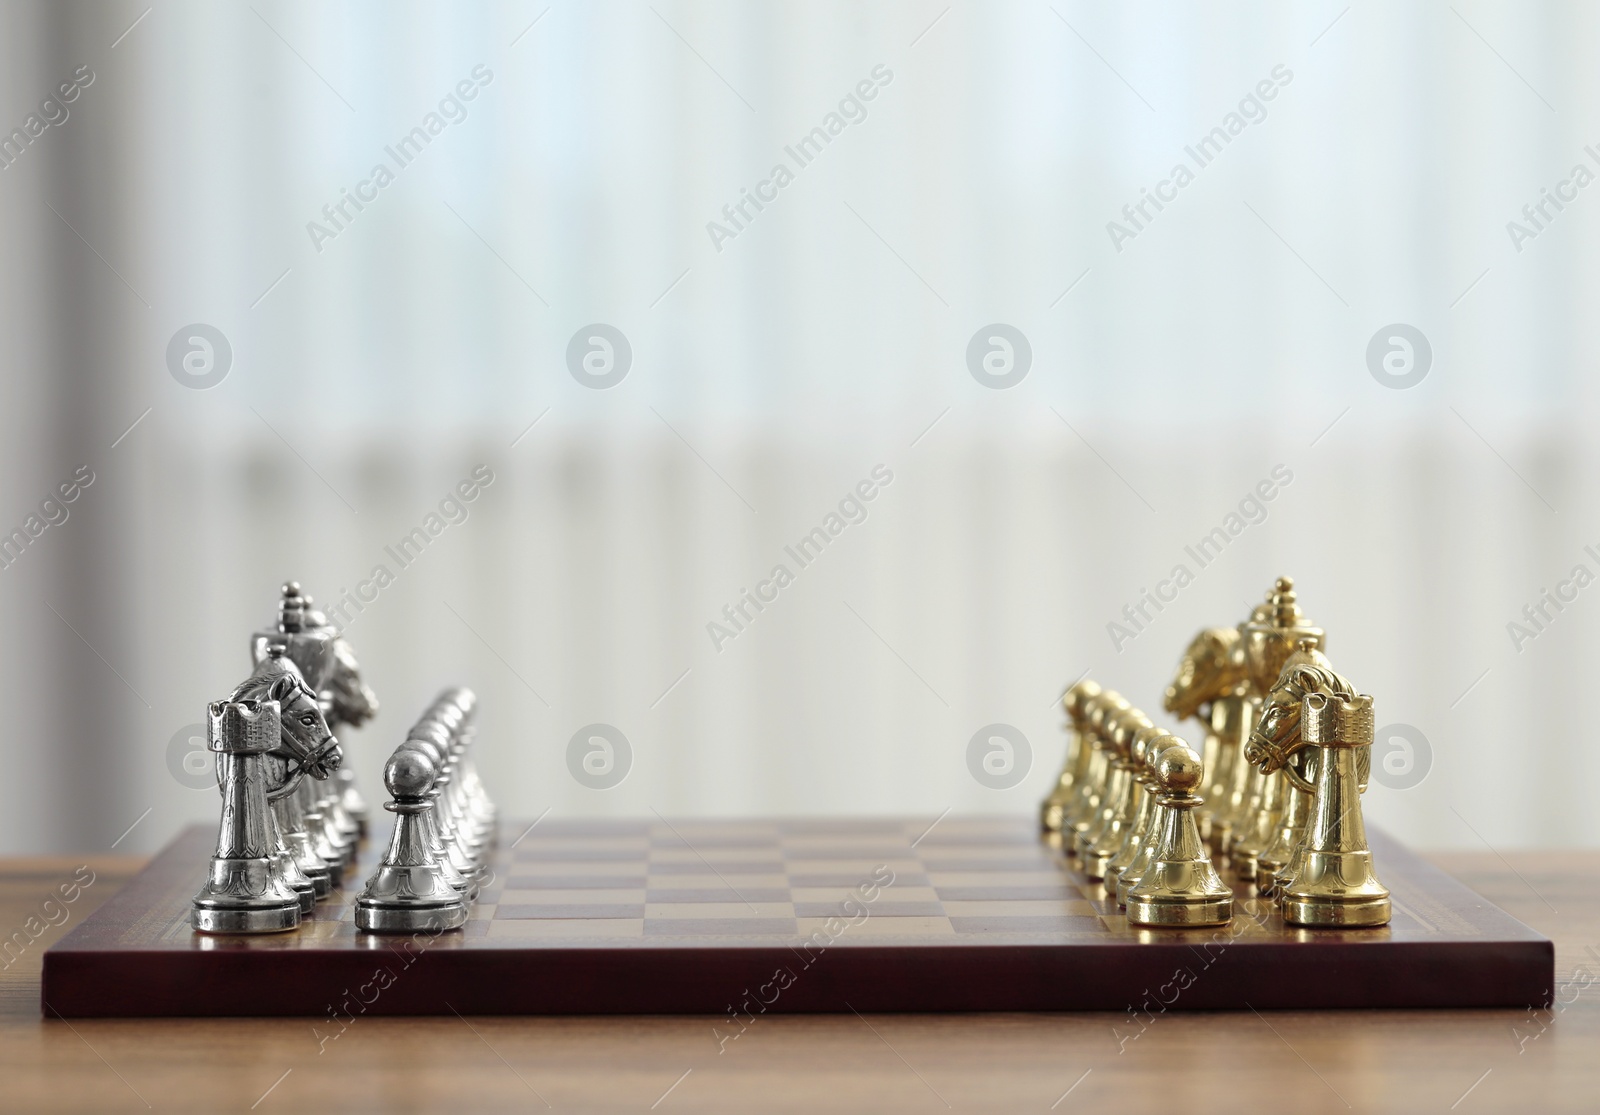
<point x="1209" y="686"/>
<point x="1330" y="881"/>
<point x="1180" y="886"/>
<point x="1278" y="861"/>
<point x="1233" y="813"/>
<point x="1052" y="811"/>
<point x="1100" y="845"/>
<point x="1274" y="631"/>
<point x="1141" y="803"/>
<point x="1265" y="810"/>
<point x="1143" y="834"/>
<point x="1101" y="712"/>
<point x="1276" y="740"/>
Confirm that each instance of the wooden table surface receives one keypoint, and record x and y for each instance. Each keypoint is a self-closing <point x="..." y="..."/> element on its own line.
<point x="1464" y="1061"/>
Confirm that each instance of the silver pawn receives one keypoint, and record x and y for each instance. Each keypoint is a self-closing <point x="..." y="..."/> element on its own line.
<point x="409" y="891"/>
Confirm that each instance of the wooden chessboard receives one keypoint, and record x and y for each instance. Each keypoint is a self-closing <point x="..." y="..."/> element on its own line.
<point x="720" y="916"/>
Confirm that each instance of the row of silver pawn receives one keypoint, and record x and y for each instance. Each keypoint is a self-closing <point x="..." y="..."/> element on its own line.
<point x="445" y="827"/>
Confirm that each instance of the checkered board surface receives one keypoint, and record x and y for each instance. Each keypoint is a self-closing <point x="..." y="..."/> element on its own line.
<point x="905" y="880"/>
<point x="898" y="914"/>
<point x="597" y="883"/>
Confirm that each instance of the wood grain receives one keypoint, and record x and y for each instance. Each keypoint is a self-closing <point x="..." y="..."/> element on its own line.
<point x="1335" y="1061"/>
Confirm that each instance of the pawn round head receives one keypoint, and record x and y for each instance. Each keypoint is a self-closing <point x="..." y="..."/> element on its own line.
<point x="419" y="741"/>
<point x="409" y="773"/>
<point x="1128" y="724"/>
<point x="434" y="732"/>
<point x="1139" y="750"/>
<point x="1103" y="710"/>
<point x="1178" y="768"/>
<point x="1076" y="700"/>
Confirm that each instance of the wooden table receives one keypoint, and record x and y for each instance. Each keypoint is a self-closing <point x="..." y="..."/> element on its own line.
<point x="1305" y="1062"/>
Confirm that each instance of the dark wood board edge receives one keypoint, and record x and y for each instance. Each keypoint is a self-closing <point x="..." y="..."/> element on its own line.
<point x="1148" y="978"/>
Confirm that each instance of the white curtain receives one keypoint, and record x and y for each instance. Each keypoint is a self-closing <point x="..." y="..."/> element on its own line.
<point x="382" y="354"/>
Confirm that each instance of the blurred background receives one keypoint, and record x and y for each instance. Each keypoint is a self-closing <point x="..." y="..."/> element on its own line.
<point x="1366" y="293"/>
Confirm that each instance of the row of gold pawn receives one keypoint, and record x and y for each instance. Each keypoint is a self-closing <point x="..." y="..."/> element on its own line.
<point x="1125" y="807"/>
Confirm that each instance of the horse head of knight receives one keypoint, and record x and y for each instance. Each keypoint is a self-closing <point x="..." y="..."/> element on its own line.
<point x="1276" y="735"/>
<point x="305" y="743"/>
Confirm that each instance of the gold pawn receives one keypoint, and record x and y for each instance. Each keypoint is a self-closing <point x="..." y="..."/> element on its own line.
<point x="1053" y="810"/>
<point x="1180" y="887"/>
<point x="1085" y="804"/>
<point x="1266" y="812"/>
<point x="1099" y="845"/>
<point x="1142" y="803"/>
<point x="1274" y="863"/>
<point x="1101" y="717"/>
<point x="1127" y="877"/>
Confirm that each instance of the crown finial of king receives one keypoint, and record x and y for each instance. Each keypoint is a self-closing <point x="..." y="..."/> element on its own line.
<point x="1283" y="608"/>
<point x="292" y="608"/>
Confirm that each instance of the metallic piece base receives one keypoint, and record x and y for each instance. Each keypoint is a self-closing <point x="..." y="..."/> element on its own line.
<point x="308" y="899"/>
<point x="1336" y="915"/>
<point x="1094" y="864"/>
<point x="373" y="918"/>
<point x="1266" y="872"/>
<point x="1216" y="911"/>
<point x="283" y="871"/>
<point x="276" y="919"/>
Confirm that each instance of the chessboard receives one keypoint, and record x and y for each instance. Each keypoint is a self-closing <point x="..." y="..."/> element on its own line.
<point x="738" y="917"/>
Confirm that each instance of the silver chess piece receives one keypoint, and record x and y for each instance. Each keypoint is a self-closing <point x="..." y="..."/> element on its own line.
<point x="304" y="746"/>
<point x="458" y="707"/>
<point x="457" y="842"/>
<point x="329" y="666"/>
<point x="455" y="867"/>
<point x="410" y="891"/>
<point x="242" y="892"/>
